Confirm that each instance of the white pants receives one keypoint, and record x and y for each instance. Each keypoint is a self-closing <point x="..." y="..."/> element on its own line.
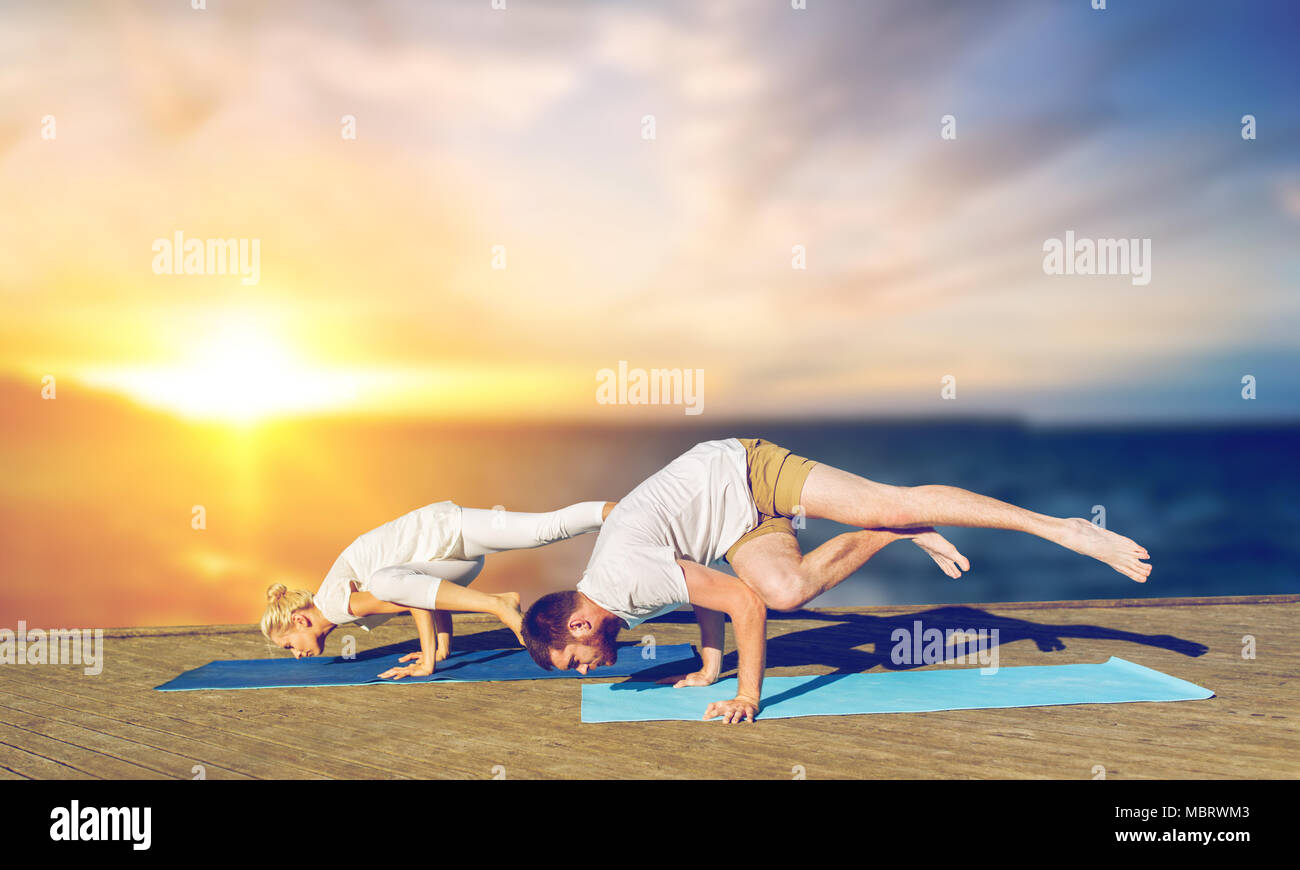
<point x="415" y="584"/>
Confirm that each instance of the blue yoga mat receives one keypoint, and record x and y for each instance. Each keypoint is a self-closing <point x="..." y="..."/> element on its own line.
<point x="465" y="667"/>
<point x="1113" y="682"/>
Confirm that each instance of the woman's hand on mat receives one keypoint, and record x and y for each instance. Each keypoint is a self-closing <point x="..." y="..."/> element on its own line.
<point x="439" y="655"/>
<point x="699" y="678"/>
<point x="418" y="657"/>
<point x="735" y="710"/>
<point x="422" y="668"/>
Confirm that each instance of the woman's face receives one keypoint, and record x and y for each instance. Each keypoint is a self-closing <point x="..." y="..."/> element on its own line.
<point x="300" y="639"/>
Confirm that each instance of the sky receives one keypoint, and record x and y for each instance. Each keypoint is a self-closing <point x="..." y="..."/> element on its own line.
<point x="464" y="217"/>
<point x="525" y="128"/>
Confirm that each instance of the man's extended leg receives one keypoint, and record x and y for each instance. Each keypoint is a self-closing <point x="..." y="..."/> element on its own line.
<point x="786" y="579"/>
<point x="830" y="493"/>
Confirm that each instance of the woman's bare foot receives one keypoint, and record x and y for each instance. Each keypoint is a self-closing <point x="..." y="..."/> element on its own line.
<point x="941" y="550"/>
<point x="1121" y="553"/>
<point x="511" y="615"/>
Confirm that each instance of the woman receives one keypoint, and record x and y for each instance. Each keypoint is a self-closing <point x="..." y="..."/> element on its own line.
<point x="402" y="565"/>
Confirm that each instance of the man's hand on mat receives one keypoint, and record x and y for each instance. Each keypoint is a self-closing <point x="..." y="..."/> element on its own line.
<point x="699" y="678"/>
<point x="733" y="711"/>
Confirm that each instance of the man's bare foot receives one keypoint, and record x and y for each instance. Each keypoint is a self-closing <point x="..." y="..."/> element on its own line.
<point x="941" y="550"/>
<point x="511" y="615"/>
<point x="1121" y="553"/>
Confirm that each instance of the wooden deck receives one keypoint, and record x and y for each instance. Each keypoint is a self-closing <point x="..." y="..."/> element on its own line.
<point x="57" y="722"/>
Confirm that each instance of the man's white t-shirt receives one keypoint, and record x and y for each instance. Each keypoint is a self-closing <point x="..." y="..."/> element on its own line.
<point x="426" y="534"/>
<point x="695" y="508"/>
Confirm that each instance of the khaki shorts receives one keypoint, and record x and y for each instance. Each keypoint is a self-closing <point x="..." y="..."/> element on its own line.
<point x="776" y="479"/>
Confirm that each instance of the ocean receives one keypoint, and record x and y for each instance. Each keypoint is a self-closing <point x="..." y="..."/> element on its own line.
<point x="144" y="520"/>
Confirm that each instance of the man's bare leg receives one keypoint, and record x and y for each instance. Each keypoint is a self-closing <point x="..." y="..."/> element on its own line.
<point x="786" y="579"/>
<point x="833" y="494"/>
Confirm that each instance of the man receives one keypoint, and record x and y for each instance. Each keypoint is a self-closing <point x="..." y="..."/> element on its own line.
<point x="737" y="497"/>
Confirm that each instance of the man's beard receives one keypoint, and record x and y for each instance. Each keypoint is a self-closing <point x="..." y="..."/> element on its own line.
<point x="606" y="640"/>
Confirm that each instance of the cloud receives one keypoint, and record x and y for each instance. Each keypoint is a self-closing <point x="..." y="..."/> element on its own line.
<point x="776" y="128"/>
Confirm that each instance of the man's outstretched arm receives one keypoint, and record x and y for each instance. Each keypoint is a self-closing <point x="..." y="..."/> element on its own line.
<point x="715" y="590"/>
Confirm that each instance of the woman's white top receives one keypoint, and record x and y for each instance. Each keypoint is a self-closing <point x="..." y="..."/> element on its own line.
<point x="426" y="534"/>
<point x="695" y="508"/>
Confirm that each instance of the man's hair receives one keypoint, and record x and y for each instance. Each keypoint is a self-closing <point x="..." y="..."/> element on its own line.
<point x="546" y="625"/>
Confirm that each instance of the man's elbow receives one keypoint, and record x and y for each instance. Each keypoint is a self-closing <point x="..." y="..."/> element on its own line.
<point x="748" y="606"/>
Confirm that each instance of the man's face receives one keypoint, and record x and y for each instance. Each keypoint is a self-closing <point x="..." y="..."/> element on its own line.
<point x="595" y="651"/>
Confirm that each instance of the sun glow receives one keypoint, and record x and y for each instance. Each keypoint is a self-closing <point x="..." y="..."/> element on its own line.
<point x="240" y="372"/>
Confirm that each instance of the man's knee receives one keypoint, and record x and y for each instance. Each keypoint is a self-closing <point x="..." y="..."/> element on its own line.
<point x="783" y="591"/>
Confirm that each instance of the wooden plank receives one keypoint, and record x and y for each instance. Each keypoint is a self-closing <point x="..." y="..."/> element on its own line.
<point x="362" y="731"/>
<point x="92" y="731"/>
<point x="27" y="765"/>
<point x="532" y="729"/>
<point x="156" y="742"/>
<point x="30" y="734"/>
<point x="275" y="752"/>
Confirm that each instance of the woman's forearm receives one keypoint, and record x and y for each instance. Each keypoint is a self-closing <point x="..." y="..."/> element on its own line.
<point x="443" y="626"/>
<point x="424" y="626"/>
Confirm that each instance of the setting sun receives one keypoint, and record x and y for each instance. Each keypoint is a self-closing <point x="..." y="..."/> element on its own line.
<point x="241" y="371"/>
<point x="242" y="368"/>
